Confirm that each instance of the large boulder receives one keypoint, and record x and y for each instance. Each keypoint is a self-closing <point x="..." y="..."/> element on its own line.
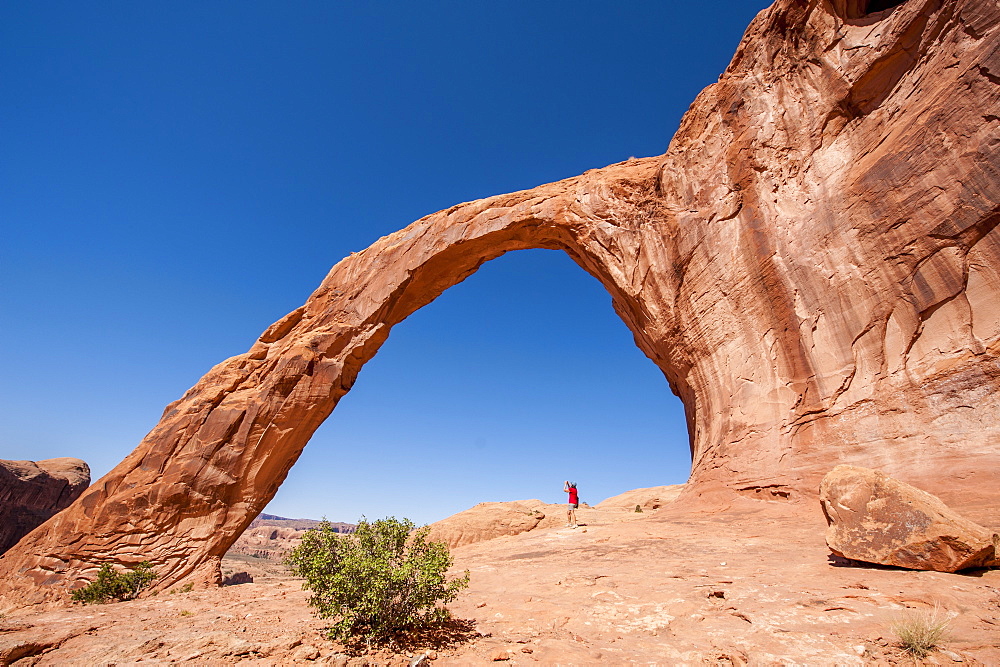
<point x="31" y="492"/>
<point x="874" y="518"/>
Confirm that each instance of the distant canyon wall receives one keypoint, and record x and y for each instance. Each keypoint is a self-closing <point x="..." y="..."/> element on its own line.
<point x="813" y="264"/>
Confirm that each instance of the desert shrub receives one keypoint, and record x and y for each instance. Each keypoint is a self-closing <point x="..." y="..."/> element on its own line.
<point x="920" y="632"/>
<point x="112" y="585"/>
<point x="381" y="580"/>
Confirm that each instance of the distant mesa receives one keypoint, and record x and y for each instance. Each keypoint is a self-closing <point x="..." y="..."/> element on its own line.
<point x="32" y="492"/>
<point x="284" y="522"/>
<point x="275" y="517"/>
<point x="271" y="537"/>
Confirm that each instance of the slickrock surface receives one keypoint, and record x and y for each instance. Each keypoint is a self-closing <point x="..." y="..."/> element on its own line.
<point x="490" y="520"/>
<point x="877" y="519"/>
<point x="32" y="491"/>
<point x="756" y="584"/>
<point x="813" y="264"/>
<point x="650" y="498"/>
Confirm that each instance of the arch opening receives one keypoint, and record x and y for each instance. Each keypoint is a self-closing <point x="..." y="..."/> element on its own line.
<point x="503" y="386"/>
<point x="859" y="9"/>
<point x="875" y="6"/>
<point x="220" y="452"/>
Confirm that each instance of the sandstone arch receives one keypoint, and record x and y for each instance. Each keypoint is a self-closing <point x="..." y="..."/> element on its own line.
<point x="814" y="265"/>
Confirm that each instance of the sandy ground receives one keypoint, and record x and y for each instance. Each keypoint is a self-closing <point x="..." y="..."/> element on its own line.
<point x="753" y="585"/>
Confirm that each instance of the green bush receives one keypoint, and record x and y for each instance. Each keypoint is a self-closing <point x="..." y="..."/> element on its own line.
<point x="111" y="585"/>
<point x="381" y="580"/>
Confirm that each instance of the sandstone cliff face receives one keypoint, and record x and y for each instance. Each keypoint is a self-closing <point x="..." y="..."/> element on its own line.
<point x="31" y="492"/>
<point x="813" y="264"/>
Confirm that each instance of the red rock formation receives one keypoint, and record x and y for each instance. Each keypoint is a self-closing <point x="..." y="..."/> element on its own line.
<point x="267" y="542"/>
<point x="487" y="521"/>
<point x="813" y="264"/>
<point x="237" y="578"/>
<point x="671" y="587"/>
<point x="652" y="498"/>
<point x="31" y="492"/>
<point x="877" y="519"/>
<point x="299" y="524"/>
<point x="272" y="537"/>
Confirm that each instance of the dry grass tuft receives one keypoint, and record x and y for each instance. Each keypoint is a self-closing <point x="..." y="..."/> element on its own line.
<point x="920" y="632"/>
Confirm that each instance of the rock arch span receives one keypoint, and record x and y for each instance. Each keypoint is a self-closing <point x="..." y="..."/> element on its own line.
<point x="813" y="264"/>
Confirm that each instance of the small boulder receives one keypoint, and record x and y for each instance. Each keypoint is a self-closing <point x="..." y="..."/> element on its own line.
<point x="874" y="518"/>
<point x="305" y="652"/>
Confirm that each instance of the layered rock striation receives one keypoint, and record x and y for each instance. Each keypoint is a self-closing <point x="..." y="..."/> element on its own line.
<point x="31" y="492"/>
<point x="813" y="264"/>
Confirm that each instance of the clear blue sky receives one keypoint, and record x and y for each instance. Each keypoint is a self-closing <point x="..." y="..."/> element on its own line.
<point x="176" y="176"/>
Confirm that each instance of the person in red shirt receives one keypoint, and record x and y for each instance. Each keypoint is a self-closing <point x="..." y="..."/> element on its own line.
<point x="574" y="503"/>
